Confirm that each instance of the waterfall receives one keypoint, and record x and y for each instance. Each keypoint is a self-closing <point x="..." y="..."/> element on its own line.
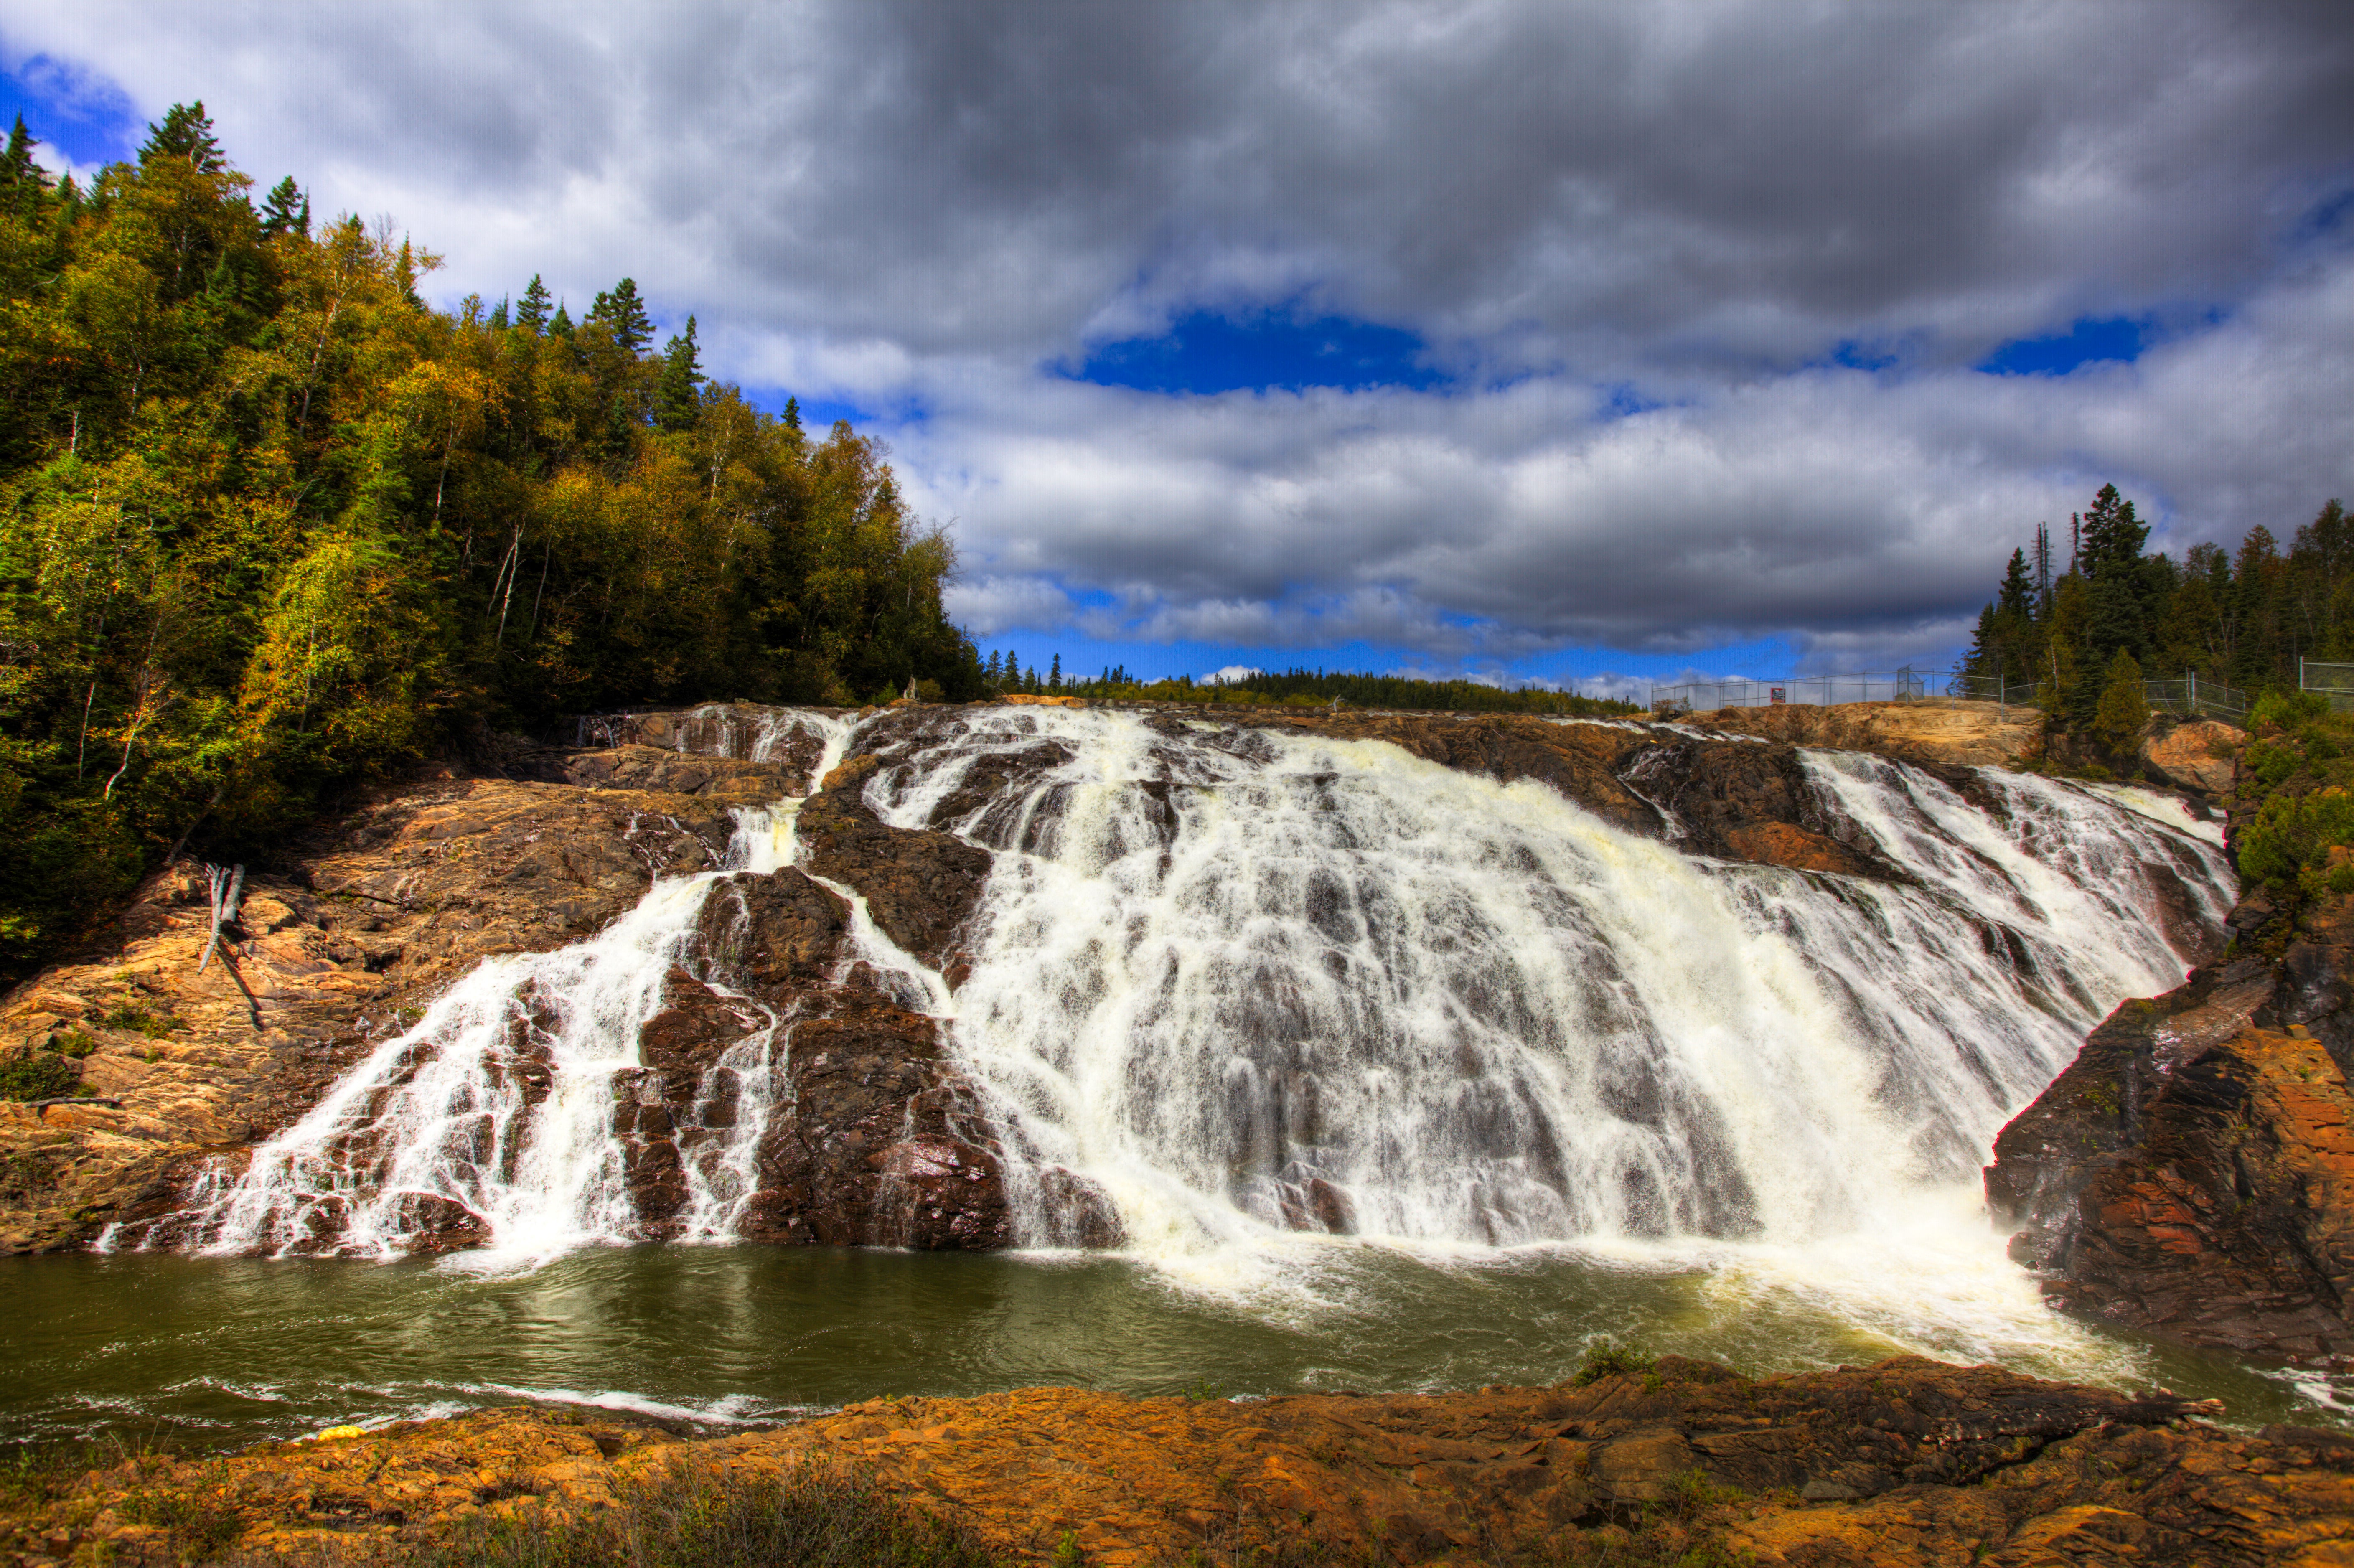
<point x="1252" y="983"/>
<point x="492" y="1119"/>
<point x="1250" y="980"/>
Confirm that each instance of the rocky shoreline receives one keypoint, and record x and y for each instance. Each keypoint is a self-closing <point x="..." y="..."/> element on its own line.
<point x="1675" y="1461"/>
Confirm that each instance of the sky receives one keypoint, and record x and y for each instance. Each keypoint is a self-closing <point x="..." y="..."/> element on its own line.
<point x="1579" y="345"/>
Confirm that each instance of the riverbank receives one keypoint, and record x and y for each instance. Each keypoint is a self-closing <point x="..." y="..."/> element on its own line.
<point x="1908" y="1461"/>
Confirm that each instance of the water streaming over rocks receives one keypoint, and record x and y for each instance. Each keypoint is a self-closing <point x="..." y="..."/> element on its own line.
<point x="1226" y="982"/>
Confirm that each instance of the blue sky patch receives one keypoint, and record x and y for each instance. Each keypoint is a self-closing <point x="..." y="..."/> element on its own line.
<point x="1205" y="353"/>
<point x="87" y="118"/>
<point x="2090" y="341"/>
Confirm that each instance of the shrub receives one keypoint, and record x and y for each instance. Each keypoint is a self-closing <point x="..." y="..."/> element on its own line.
<point x="2288" y="844"/>
<point x="678" y="1517"/>
<point x="38" y="1075"/>
<point x="1607" y="1358"/>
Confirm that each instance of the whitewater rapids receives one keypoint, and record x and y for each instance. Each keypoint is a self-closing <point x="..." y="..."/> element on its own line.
<point x="1280" y="996"/>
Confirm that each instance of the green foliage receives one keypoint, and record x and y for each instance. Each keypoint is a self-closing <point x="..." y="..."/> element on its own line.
<point x="38" y="1075"/>
<point x="1607" y="1358"/>
<point x="680" y="1517"/>
<point x="131" y="1017"/>
<point x="2124" y="710"/>
<point x="269" y="525"/>
<point x="2287" y="846"/>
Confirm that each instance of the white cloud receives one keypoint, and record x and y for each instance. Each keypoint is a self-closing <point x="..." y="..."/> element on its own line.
<point x="913" y="207"/>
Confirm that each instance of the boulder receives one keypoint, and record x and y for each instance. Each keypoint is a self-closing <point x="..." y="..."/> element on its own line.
<point x="2198" y="756"/>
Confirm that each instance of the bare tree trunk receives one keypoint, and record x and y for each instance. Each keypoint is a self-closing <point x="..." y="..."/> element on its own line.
<point x="226" y="888"/>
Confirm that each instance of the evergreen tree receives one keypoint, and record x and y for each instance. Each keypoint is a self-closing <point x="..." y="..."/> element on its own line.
<point x="2124" y="709"/>
<point x="623" y="314"/>
<point x="530" y="311"/>
<point x="1054" y="673"/>
<point x="676" y="407"/>
<point x="2110" y="536"/>
<point x="186" y="135"/>
<point x="285" y="210"/>
<point x="560" y="325"/>
<point x="2066" y="695"/>
<point x="793" y="415"/>
<point x="498" y="321"/>
<point x="23" y="183"/>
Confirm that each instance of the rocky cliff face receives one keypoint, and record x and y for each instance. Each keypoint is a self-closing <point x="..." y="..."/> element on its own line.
<point x="1906" y="1462"/>
<point x="2192" y="1173"/>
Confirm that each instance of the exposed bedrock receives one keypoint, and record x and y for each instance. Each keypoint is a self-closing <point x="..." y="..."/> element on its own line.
<point x="1904" y="1462"/>
<point x="340" y="946"/>
<point x="2191" y="1173"/>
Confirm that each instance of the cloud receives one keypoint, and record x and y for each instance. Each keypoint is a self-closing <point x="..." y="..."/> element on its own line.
<point x="1644" y="244"/>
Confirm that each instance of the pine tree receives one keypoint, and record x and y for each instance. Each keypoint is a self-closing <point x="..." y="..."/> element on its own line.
<point x="2124" y="708"/>
<point x="624" y="315"/>
<point x="498" y="321"/>
<point x="2111" y="536"/>
<point x="1054" y="673"/>
<point x="989" y="671"/>
<point x="25" y="182"/>
<point x="530" y="311"/>
<point x="285" y="210"/>
<point x="676" y="406"/>
<point x="793" y="415"/>
<point x="186" y="134"/>
<point x="561" y="325"/>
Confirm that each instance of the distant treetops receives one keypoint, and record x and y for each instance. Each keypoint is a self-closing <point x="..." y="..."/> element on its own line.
<point x="2083" y="626"/>
<point x="270" y="522"/>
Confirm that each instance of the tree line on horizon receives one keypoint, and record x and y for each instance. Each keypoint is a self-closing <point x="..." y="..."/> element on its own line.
<point x="2087" y="629"/>
<point x="270" y="524"/>
<point x="1003" y="671"/>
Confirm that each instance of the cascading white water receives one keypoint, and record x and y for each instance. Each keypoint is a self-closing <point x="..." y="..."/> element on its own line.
<point x="1254" y="983"/>
<point x="499" y="1103"/>
<point x="1245" y="981"/>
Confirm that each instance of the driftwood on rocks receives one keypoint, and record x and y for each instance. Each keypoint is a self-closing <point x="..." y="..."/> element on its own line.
<point x="225" y="886"/>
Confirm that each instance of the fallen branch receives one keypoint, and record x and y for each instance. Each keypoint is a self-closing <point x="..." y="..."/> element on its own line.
<point x="106" y="1100"/>
<point x="216" y="878"/>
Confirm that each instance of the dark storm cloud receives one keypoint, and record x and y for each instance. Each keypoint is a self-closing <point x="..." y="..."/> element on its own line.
<point x="917" y="205"/>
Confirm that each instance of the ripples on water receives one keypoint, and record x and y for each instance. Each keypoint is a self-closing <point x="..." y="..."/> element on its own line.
<point x="218" y="1352"/>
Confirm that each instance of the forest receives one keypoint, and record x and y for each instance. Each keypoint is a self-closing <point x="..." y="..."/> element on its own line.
<point x="1003" y="671"/>
<point x="270" y="524"/>
<point x="2082" y="631"/>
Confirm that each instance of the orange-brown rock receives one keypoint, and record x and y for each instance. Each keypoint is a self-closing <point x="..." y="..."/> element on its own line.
<point x="1907" y="1462"/>
<point x="2197" y="755"/>
<point x="1933" y="734"/>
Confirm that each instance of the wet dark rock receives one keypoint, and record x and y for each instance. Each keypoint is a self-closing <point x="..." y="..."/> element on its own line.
<point x="882" y="1147"/>
<point x="2191" y="1173"/>
<point x="920" y="886"/>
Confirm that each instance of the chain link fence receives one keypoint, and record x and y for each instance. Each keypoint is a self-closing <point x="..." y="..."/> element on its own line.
<point x="2193" y="695"/>
<point x="2334" y="682"/>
